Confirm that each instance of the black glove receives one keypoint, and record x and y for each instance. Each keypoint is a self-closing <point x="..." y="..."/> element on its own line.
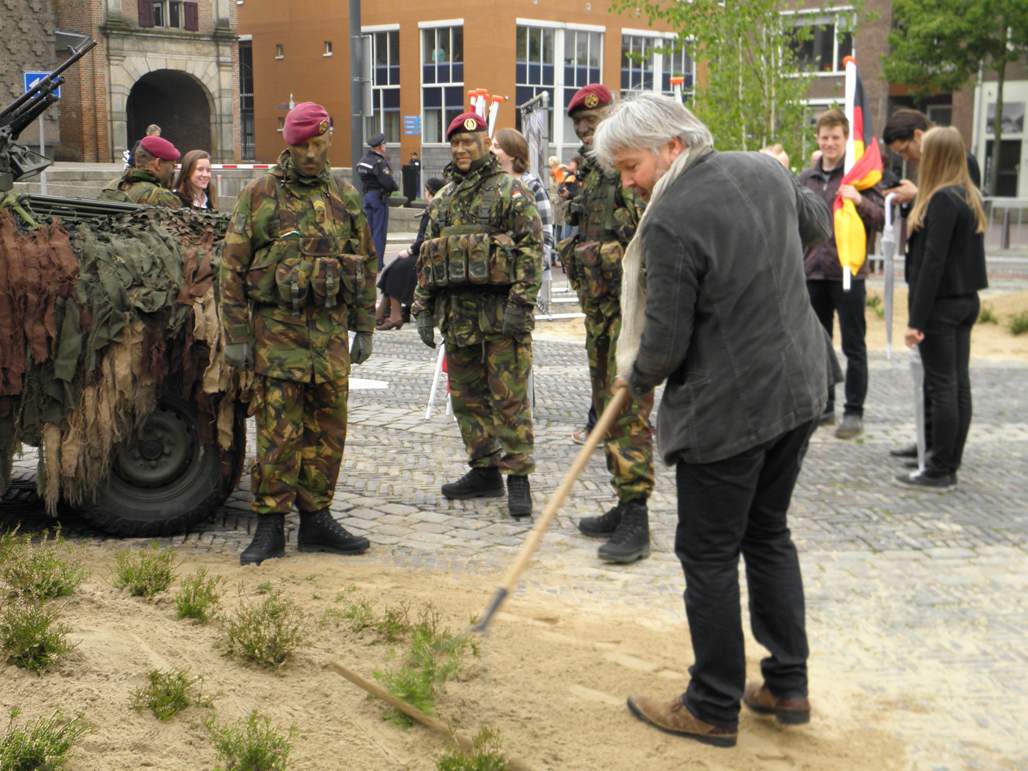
<point x="516" y="319"/>
<point x="240" y="356"/>
<point x="360" y="350"/>
<point x="426" y="328"/>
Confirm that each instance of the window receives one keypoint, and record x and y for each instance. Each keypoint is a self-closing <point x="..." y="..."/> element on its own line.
<point x="280" y="51"/>
<point x="247" y="137"/>
<point x="176" y="14"/>
<point x="675" y="61"/>
<point x="820" y="43"/>
<point x="328" y="48"/>
<point x="385" y="85"/>
<point x="637" y="63"/>
<point x="583" y="59"/>
<point x="442" y="80"/>
<point x="534" y="67"/>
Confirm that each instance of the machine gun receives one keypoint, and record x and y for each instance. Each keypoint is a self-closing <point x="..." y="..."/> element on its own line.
<point x="17" y="161"/>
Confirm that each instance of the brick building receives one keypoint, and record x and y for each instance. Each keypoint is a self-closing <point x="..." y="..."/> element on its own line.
<point x="27" y="45"/>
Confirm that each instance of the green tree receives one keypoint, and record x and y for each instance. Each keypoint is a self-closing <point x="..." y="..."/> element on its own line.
<point x="751" y="91"/>
<point x="939" y="45"/>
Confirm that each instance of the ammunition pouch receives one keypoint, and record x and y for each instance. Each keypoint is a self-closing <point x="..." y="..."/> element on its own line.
<point x="596" y="268"/>
<point x="293" y="282"/>
<point x="468" y="255"/>
<point x="298" y="270"/>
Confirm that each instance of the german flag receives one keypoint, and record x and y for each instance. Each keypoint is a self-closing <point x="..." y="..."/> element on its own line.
<point x="863" y="170"/>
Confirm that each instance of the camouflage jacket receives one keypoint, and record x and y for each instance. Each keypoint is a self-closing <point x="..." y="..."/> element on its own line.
<point x="283" y="220"/>
<point x="468" y="315"/>
<point x="140" y="186"/>
<point x="606" y="215"/>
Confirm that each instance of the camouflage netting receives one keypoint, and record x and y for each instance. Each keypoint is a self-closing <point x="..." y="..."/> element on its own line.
<point x="95" y="320"/>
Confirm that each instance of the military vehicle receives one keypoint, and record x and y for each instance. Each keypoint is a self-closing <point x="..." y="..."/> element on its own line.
<point x="110" y="348"/>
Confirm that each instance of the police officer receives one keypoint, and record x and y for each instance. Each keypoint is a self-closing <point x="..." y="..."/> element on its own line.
<point x="298" y="273"/>
<point x="149" y="181"/>
<point x="606" y="215"/>
<point x="479" y="271"/>
<point x="378" y="182"/>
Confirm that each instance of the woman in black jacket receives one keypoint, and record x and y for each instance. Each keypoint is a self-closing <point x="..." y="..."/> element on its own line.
<point x="945" y="270"/>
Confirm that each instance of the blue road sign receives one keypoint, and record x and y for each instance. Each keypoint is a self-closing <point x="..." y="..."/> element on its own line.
<point x="412" y="124"/>
<point x="31" y="78"/>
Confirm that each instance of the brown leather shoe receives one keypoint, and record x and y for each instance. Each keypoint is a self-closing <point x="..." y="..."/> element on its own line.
<point x="791" y="711"/>
<point x="671" y="716"/>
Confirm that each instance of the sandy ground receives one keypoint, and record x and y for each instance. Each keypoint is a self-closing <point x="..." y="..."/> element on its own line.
<point x="552" y="677"/>
<point x="988" y="341"/>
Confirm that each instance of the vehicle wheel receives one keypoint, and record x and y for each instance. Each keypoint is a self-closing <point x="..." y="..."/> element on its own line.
<point x="162" y="481"/>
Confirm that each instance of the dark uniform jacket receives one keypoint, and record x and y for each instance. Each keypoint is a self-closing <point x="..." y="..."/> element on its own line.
<point x="728" y="322"/>
<point x="376" y="175"/>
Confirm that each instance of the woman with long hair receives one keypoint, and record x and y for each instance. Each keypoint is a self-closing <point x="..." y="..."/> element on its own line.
<point x="945" y="270"/>
<point x="193" y="183"/>
<point x="511" y="149"/>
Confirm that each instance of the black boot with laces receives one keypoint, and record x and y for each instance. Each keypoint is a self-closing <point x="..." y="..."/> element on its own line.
<point x="602" y="526"/>
<point x="269" y="542"/>
<point x="631" y="540"/>
<point x="319" y="531"/>
<point x="519" y="496"/>
<point x="477" y="483"/>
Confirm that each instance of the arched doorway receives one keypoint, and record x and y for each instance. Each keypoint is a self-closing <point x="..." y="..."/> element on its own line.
<point x="177" y="103"/>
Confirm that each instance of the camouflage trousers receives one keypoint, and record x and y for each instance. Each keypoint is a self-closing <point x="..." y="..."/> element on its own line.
<point x="630" y="441"/>
<point x="489" y="391"/>
<point x="301" y="432"/>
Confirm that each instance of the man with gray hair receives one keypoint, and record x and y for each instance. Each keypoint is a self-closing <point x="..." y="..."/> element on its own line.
<point x="721" y="314"/>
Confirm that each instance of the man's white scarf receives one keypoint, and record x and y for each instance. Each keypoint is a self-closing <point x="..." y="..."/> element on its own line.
<point x="633" y="281"/>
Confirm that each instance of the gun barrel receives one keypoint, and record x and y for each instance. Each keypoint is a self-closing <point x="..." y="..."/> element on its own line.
<point x="20" y="106"/>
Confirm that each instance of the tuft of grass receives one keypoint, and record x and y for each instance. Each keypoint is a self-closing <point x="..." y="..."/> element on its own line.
<point x="874" y="302"/>
<point x="1018" y="323"/>
<point x="168" y="693"/>
<point x="986" y="315"/>
<point x="39" y="572"/>
<point x="144" y="572"/>
<point x="252" y="744"/>
<point x="394" y="624"/>
<point x="31" y="637"/>
<point x="359" y="615"/>
<point x="433" y="657"/>
<point x="44" y="743"/>
<point x="486" y="755"/>
<point x="265" y="587"/>
<point x="266" y="632"/>
<point x="198" y="596"/>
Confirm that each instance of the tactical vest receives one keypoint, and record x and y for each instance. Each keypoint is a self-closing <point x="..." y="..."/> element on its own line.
<point x="592" y="260"/>
<point x="313" y="259"/>
<point x="474" y="247"/>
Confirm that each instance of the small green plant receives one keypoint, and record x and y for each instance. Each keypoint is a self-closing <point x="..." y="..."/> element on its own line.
<point x="40" y="572"/>
<point x="266" y="632"/>
<point x="265" y="587"/>
<point x="30" y="636"/>
<point x="433" y="657"/>
<point x="1018" y="323"/>
<point x="198" y="596"/>
<point x="987" y="315"/>
<point x="168" y="693"/>
<point x="394" y="624"/>
<point x="485" y="755"/>
<point x="144" y="572"/>
<point x="43" y="743"/>
<point x="874" y="302"/>
<point x="252" y="744"/>
<point x="359" y="615"/>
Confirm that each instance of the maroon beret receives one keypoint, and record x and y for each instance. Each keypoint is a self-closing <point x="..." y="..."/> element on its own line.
<point x="590" y="97"/>
<point x="306" y="120"/>
<point x="160" y="148"/>
<point x="465" y="123"/>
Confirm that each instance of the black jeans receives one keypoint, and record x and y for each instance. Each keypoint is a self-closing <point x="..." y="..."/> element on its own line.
<point x="724" y="508"/>
<point x="945" y="354"/>
<point x="827" y="298"/>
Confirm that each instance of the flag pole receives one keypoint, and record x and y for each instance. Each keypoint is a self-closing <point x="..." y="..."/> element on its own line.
<point x="851" y="94"/>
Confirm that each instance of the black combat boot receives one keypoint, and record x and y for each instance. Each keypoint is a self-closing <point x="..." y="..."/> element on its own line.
<point x="268" y="542"/>
<point x="631" y="540"/>
<point x="477" y="483"/>
<point x="602" y="526"/>
<point x="519" y="496"/>
<point x="319" y="531"/>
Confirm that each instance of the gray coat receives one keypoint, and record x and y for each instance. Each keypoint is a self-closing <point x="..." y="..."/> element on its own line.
<point x="728" y="321"/>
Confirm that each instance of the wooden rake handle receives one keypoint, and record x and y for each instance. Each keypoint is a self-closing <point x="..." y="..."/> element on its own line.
<point x="528" y="548"/>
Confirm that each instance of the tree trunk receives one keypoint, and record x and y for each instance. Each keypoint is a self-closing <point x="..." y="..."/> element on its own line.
<point x="997" y="130"/>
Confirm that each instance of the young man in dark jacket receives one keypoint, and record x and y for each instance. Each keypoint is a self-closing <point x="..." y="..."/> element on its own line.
<point x="722" y="315"/>
<point x="824" y="273"/>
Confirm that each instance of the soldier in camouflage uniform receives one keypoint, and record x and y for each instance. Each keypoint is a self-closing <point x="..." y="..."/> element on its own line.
<point x="298" y="273"/>
<point x="606" y="215"/>
<point x="479" y="271"/>
<point x="149" y="182"/>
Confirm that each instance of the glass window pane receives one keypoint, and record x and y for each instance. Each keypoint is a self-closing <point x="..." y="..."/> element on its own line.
<point x="432" y="97"/>
<point x="427" y="44"/>
<point x="381" y="49"/>
<point x="458" y="72"/>
<point x="428" y="73"/>
<point x="390" y="98"/>
<point x="455" y="97"/>
<point x="548" y="74"/>
<point x="595" y="48"/>
<point x="548" y="46"/>
<point x="394" y="47"/>
<point x="430" y="128"/>
<point x="444" y="75"/>
<point x="521" y="44"/>
<point x="458" y="44"/>
<point x="581" y="48"/>
<point x="824" y="43"/>
<point x="534" y="73"/>
<point x="846" y="47"/>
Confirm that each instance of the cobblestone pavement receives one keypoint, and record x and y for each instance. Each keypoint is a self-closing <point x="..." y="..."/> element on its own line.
<point x="916" y="599"/>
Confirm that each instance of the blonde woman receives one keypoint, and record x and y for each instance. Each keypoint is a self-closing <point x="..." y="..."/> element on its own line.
<point x="945" y="270"/>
